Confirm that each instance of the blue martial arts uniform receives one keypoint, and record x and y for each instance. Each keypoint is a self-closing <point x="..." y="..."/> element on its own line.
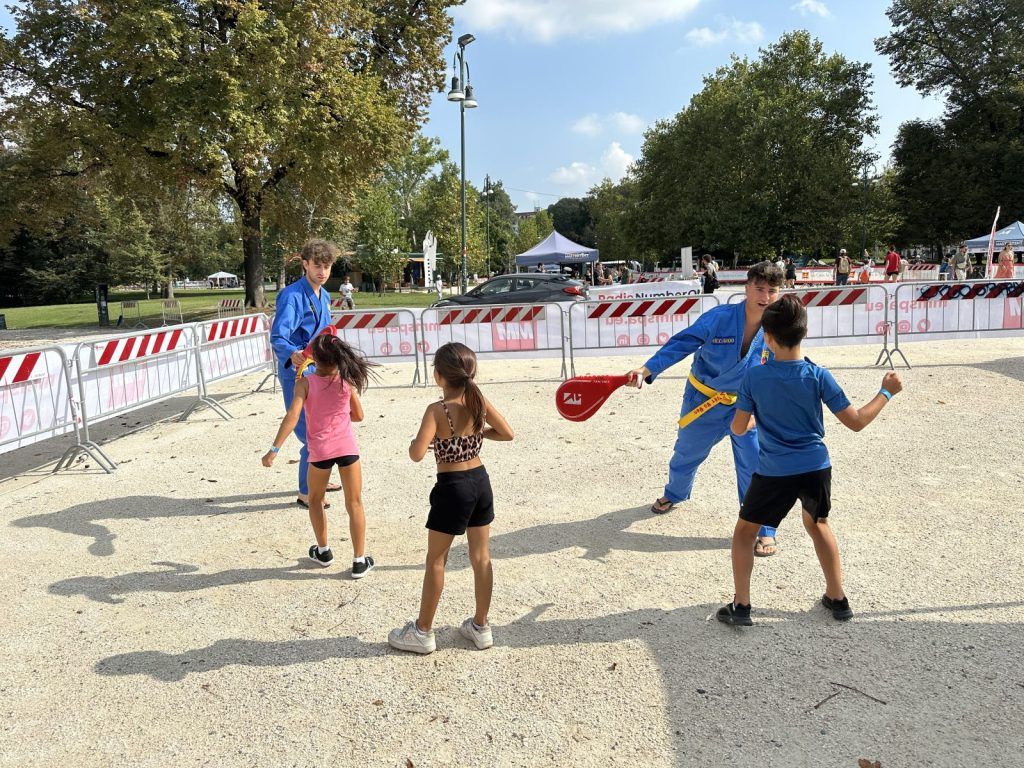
<point x="715" y="340"/>
<point x="299" y="316"/>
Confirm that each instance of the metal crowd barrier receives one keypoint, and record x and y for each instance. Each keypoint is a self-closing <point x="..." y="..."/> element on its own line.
<point x="388" y="335"/>
<point x="37" y="402"/>
<point x="117" y="374"/>
<point x="171" y="308"/>
<point x="228" y="348"/>
<point x="615" y="325"/>
<point x="962" y="309"/>
<point x="132" y="305"/>
<point x="858" y="311"/>
<point x="230" y="307"/>
<point x="507" y="330"/>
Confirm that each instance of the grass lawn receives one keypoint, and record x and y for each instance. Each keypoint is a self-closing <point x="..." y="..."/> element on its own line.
<point x="198" y="304"/>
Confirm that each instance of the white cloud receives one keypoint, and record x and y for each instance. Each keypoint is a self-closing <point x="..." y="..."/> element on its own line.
<point x="615" y="161"/>
<point x="580" y="176"/>
<point x="589" y="125"/>
<point x="733" y="29"/>
<point x="811" y="8"/>
<point x="574" y="175"/>
<point x="622" y="122"/>
<point x="548" y="20"/>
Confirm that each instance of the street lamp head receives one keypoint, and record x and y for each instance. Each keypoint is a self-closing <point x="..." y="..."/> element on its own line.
<point x="456" y="94"/>
<point x="470" y="102"/>
<point x="465" y="40"/>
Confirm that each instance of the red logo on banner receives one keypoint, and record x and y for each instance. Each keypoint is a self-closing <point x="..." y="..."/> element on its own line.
<point x="622" y="340"/>
<point x="28" y="420"/>
<point x="662" y="337"/>
<point x="405" y="348"/>
<point x="513" y="337"/>
<point x="424" y="346"/>
<point x="923" y="325"/>
<point x="644" y="339"/>
<point x="385" y="348"/>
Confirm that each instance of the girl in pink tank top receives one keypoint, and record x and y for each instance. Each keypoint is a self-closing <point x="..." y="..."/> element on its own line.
<point x="330" y="399"/>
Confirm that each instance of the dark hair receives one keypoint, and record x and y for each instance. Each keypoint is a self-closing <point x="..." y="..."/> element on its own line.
<point x="786" y="320"/>
<point x="331" y="352"/>
<point x="456" y="364"/>
<point x="766" y="272"/>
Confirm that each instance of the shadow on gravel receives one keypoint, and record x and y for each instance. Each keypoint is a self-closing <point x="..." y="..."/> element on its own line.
<point x="85" y="519"/>
<point x="598" y="537"/>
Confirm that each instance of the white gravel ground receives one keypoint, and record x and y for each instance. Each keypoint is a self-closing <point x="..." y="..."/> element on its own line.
<point x="166" y="615"/>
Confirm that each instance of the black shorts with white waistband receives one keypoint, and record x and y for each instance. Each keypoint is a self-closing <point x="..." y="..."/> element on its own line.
<point x="341" y="461"/>
<point x="769" y="499"/>
<point x="461" y="500"/>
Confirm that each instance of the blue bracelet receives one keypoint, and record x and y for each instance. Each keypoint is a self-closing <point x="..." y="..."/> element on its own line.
<point x="274" y="449"/>
<point x="886" y="392"/>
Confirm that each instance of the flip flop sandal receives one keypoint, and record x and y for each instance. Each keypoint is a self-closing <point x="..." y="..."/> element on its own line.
<point x="760" y="546"/>
<point x="333" y="488"/>
<point x="662" y="506"/>
<point x="304" y="505"/>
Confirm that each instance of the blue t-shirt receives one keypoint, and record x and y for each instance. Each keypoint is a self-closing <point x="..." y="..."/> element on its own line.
<point x="785" y="397"/>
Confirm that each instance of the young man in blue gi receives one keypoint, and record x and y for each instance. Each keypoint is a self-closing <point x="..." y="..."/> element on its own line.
<point x="303" y="310"/>
<point x="724" y="341"/>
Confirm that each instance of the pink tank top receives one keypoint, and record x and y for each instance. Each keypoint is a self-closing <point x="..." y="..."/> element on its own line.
<point x="328" y="419"/>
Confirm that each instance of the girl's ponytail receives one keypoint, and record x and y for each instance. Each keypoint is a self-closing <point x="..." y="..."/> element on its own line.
<point x="474" y="400"/>
<point x="351" y="365"/>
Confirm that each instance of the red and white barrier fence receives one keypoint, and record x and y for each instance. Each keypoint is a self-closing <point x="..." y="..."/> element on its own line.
<point x="170" y="312"/>
<point x="620" y="327"/>
<point x="228" y="307"/>
<point x="382" y="335"/>
<point x="506" y="330"/>
<point x="959" y="310"/>
<point x="229" y="348"/>
<point x="37" y="402"/>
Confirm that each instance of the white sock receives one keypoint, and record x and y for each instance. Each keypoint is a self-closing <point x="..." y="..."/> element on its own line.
<point x="360" y="559"/>
<point x="321" y="550"/>
<point x="477" y="626"/>
<point x="418" y="631"/>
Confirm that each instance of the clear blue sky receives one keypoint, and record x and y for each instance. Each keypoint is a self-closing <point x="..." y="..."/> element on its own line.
<point x="566" y="87"/>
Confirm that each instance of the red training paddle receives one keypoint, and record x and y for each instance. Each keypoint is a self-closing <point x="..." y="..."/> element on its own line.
<point x="579" y="398"/>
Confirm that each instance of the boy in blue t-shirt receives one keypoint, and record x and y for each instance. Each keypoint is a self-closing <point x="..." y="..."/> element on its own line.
<point x="785" y="396"/>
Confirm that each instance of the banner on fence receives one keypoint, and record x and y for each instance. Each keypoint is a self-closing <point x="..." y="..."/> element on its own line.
<point x="647" y="290"/>
<point x="35" y="400"/>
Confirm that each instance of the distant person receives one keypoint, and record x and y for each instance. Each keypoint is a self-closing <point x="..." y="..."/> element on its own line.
<point x="710" y="279"/>
<point x="866" y="267"/>
<point x="842" y="268"/>
<point x="439" y="287"/>
<point x="329" y="401"/>
<point x="945" y="265"/>
<point x="892" y="265"/>
<point x="781" y="264"/>
<point x="790" y="273"/>
<point x="1004" y="269"/>
<point x="624" y="276"/>
<point x="347" y="289"/>
<point x="961" y="263"/>
<point x="462" y="501"/>
<point x="904" y="264"/>
<point x="785" y="396"/>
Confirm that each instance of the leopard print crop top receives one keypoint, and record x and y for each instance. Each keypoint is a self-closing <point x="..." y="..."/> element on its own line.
<point x="455" y="449"/>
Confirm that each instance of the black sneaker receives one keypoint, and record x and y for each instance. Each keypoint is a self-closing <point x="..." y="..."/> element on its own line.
<point x="735" y="614"/>
<point x="361" y="569"/>
<point x="324" y="558"/>
<point x="841" y="610"/>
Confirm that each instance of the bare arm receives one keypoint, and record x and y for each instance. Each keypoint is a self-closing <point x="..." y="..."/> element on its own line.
<point x="858" y="418"/>
<point x="742" y="421"/>
<point x="291" y="418"/>
<point x="497" y="428"/>
<point x="428" y="430"/>
<point x="355" y="406"/>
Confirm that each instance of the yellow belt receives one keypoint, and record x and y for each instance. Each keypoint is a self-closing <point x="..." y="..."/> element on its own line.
<point x="300" y="370"/>
<point x="714" y="398"/>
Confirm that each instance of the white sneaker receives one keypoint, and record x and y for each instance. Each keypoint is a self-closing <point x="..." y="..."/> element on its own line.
<point x="481" y="638"/>
<point x="408" y="638"/>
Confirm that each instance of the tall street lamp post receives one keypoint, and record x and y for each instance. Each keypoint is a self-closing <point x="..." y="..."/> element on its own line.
<point x="466" y="101"/>
<point x="864" y="183"/>
<point x="487" y="219"/>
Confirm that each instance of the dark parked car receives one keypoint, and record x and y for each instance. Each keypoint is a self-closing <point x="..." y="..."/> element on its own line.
<point x="522" y="288"/>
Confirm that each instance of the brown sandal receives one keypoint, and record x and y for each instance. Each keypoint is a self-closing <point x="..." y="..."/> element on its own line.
<point x="761" y="546"/>
<point x="662" y="505"/>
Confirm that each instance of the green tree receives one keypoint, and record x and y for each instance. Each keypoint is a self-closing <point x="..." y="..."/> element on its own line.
<point x="237" y="97"/>
<point x="381" y="248"/>
<point x="499" y="222"/>
<point x="438" y="208"/>
<point x="406" y="175"/>
<point x="951" y="174"/>
<point x="608" y="203"/>
<point x="531" y="231"/>
<point x="763" y="158"/>
<point x="572" y="219"/>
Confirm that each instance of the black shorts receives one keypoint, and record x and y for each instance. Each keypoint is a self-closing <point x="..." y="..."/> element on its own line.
<point x="891" y="274"/>
<point x="769" y="499"/>
<point x="341" y="461"/>
<point x="461" y="500"/>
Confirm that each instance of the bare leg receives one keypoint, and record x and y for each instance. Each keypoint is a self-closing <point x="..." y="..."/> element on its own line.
<point x="317" y="479"/>
<point x="743" y="538"/>
<point x="352" y="482"/>
<point x="827" y="550"/>
<point x="483" y="575"/>
<point x="438" y="545"/>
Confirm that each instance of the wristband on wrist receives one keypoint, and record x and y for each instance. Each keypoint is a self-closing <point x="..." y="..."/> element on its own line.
<point x="886" y="392"/>
<point x="274" y="449"/>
